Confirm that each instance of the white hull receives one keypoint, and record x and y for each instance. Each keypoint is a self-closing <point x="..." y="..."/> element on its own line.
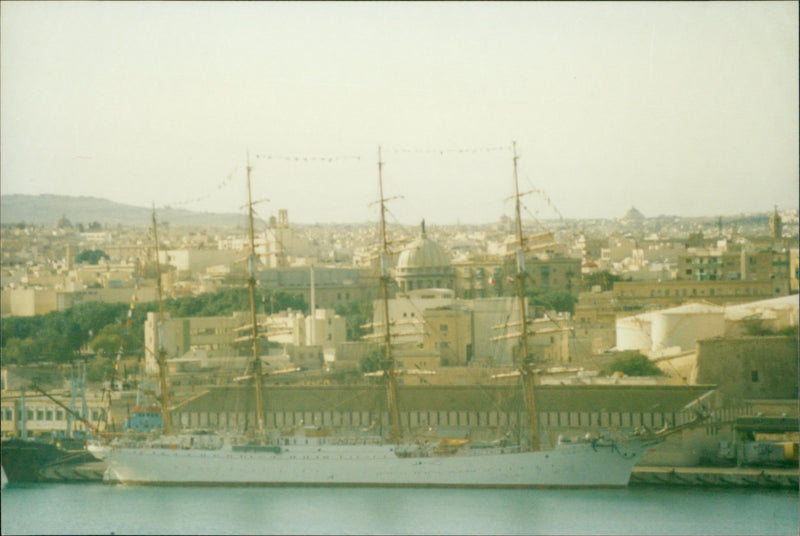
<point x="570" y="465"/>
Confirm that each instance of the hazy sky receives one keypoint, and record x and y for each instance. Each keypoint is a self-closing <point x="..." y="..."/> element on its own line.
<point x="685" y="109"/>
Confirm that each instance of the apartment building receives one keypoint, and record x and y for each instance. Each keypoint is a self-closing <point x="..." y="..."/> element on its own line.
<point x="742" y="264"/>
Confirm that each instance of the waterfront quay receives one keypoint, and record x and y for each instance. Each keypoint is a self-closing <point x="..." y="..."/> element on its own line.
<point x="729" y="477"/>
<point x="721" y="477"/>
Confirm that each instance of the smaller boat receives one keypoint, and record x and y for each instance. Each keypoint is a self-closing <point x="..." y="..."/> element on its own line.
<point x="49" y="458"/>
<point x="34" y="460"/>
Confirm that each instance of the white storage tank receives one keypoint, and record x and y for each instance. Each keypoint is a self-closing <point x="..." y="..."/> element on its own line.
<point x="635" y="332"/>
<point x="683" y="326"/>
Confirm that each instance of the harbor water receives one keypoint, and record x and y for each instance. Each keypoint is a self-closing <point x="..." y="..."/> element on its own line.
<point x="95" y="508"/>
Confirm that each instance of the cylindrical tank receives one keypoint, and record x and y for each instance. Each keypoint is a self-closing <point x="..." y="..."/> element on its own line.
<point x="684" y="326"/>
<point x="634" y="332"/>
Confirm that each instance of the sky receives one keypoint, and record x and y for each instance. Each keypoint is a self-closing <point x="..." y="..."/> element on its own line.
<point x="686" y="109"/>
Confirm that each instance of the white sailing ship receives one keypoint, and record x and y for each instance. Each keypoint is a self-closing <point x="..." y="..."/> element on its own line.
<point x="314" y="458"/>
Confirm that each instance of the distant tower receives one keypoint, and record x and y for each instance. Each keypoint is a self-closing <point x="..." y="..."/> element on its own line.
<point x="70" y="257"/>
<point x="283" y="218"/>
<point x="279" y="239"/>
<point x="775" y="224"/>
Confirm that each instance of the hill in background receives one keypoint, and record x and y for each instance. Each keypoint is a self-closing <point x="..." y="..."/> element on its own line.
<point x="47" y="209"/>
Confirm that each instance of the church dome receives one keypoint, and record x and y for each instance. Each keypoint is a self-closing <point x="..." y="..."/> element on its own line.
<point x="424" y="264"/>
<point x="423" y="253"/>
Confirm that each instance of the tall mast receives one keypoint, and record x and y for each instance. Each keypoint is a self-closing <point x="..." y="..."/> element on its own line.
<point x="529" y="374"/>
<point x="256" y="363"/>
<point x="388" y="365"/>
<point x="162" y="352"/>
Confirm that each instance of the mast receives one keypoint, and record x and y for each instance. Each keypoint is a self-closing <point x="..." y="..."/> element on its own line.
<point x="388" y="364"/>
<point x="162" y="352"/>
<point x="528" y="373"/>
<point x="251" y="283"/>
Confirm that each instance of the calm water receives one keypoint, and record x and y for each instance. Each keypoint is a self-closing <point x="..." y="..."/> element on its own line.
<point x="103" y="509"/>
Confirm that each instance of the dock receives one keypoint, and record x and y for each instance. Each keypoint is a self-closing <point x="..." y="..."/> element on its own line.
<point x="729" y="477"/>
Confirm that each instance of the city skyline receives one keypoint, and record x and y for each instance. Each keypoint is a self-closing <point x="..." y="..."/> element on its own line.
<point x="679" y="109"/>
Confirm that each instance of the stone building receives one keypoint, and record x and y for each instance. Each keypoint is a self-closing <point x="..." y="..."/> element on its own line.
<point x="480" y="412"/>
<point x="750" y="367"/>
<point x="332" y="286"/>
<point x="633" y="295"/>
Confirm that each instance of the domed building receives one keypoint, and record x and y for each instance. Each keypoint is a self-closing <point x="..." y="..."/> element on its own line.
<point x="424" y="264"/>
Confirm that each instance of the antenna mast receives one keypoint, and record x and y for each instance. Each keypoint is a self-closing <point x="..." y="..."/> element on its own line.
<point x="162" y="352"/>
<point x="256" y="363"/>
<point x="528" y="373"/>
<point x="388" y="364"/>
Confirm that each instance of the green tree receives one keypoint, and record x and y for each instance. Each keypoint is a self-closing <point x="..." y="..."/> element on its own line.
<point x="552" y="299"/>
<point x="371" y="362"/>
<point x="18" y="351"/>
<point x="100" y="368"/>
<point x="111" y="338"/>
<point x="604" y="279"/>
<point x="91" y="256"/>
<point x="356" y="314"/>
<point x="635" y="365"/>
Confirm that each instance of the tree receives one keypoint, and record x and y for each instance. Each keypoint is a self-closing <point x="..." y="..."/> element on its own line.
<point x="635" y="365"/>
<point x="91" y="256"/>
<point x="356" y="314"/>
<point x="18" y="351"/>
<point x="552" y="299"/>
<point x="371" y="362"/>
<point x="111" y="338"/>
<point x="100" y="368"/>
<point x="604" y="279"/>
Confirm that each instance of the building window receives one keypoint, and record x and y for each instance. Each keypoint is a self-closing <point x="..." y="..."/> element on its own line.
<point x="443" y="329"/>
<point x="754" y="375"/>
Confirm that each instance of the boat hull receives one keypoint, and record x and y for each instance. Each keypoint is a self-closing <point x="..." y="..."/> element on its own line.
<point x="32" y="461"/>
<point x="574" y="465"/>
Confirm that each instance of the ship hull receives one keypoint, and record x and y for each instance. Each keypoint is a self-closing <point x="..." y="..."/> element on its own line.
<point x="32" y="461"/>
<point x="567" y="466"/>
